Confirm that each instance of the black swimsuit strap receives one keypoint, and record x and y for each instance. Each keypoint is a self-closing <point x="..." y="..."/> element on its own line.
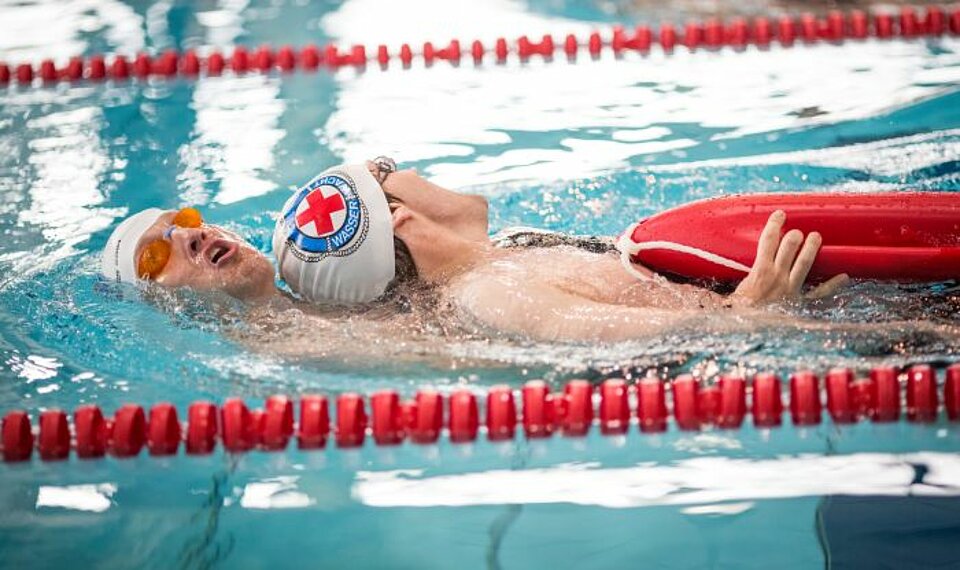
<point x="530" y="237"/>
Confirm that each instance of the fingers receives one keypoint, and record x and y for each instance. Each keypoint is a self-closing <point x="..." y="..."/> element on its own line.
<point x="787" y="251"/>
<point x="769" y="239"/>
<point x="804" y="261"/>
<point x="829" y="287"/>
<point x="375" y="171"/>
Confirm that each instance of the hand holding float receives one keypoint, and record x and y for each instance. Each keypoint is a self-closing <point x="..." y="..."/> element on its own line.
<point x="782" y="266"/>
<point x="896" y="236"/>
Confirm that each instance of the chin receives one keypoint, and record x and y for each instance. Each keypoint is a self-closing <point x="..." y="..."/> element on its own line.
<point x="250" y="276"/>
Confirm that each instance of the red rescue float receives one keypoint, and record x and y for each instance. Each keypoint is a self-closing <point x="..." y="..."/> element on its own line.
<point x="897" y="236"/>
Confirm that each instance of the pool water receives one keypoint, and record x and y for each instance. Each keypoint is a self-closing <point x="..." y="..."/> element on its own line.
<point x="582" y="147"/>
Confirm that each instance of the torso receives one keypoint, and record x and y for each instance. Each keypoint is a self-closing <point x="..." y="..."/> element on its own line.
<point x="593" y="276"/>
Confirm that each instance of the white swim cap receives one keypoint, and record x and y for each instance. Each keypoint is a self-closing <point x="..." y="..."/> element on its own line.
<point x="117" y="260"/>
<point x="334" y="238"/>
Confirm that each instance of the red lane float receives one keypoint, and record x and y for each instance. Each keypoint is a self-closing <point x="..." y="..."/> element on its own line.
<point x="767" y="407"/>
<point x="922" y="401"/>
<point x="427" y="417"/>
<point x="805" y="398"/>
<point x="539" y="412"/>
<point x="351" y="421"/>
<point x="885" y="394"/>
<point x="835" y="26"/>
<point x="314" y="422"/>
<point x="614" y="407"/>
<point x="464" y="417"/>
<point x="163" y="430"/>
<point x="900" y="236"/>
<point x="651" y="405"/>
<point x="686" y="398"/>
<point x="387" y="419"/>
<point x="202" y="428"/>
<point x="277" y="422"/>
<point x="709" y="400"/>
<point x="733" y="401"/>
<point x="129" y="431"/>
<point x="54" y="440"/>
<point x="840" y="402"/>
<point x="573" y="411"/>
<point x="576" y="408"/>
<point x="17" y="436"/>
<point x="501" y="414"/>
<point x="951" y="393"/>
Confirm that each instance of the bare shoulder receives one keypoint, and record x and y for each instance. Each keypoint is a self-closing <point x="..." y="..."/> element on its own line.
<point x="499" y="296"/>
<point x="476" y="290"/>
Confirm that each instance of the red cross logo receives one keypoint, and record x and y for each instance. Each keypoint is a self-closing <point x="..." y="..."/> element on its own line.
<point x="320" y="211"/>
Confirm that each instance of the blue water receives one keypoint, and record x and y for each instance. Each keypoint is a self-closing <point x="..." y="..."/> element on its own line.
<point x="585" y="147"/>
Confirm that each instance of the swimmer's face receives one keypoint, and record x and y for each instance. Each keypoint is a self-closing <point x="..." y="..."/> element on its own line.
<point x="465" y="214"/>
<point x="210" y="258"/>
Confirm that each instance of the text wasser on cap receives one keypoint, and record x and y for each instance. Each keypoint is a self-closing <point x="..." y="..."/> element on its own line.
<point x="334" y="238"/>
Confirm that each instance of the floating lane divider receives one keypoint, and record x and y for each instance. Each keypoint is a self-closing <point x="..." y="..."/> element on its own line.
<point x="738" y="33"/>
<point x="613" y="407"/>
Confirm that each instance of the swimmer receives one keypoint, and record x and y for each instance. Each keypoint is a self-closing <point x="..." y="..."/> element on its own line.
<point x="177" y="249"/>
<point x="439" y="239"/>
<point x="364" y="234"/>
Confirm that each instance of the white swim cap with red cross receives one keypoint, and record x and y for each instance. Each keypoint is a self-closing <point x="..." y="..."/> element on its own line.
<point x="334" y="238"/>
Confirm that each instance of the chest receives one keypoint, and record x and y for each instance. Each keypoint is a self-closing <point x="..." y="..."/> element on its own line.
<point x="597" y="277"/>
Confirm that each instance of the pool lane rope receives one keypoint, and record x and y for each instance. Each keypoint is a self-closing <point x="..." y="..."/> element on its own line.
<point x="613" y="407"/>
<point x="712" y="34"/>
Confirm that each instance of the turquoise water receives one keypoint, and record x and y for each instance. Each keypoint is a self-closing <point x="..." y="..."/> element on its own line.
<point x="585" y="147"/>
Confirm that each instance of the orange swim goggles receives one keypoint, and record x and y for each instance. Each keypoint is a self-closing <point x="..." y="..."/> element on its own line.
<point x="156" y="254"/>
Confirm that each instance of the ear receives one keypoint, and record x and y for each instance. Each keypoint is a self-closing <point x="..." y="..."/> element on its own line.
<point x="401" y="215"/>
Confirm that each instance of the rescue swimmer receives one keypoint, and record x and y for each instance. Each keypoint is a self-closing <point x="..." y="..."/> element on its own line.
<point x="359" y="234"/>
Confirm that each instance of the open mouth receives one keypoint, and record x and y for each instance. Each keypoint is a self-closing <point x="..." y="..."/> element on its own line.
<point x="220" y="251"/>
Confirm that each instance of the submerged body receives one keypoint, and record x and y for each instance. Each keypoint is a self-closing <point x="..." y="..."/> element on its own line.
<point x="637" y="324"/>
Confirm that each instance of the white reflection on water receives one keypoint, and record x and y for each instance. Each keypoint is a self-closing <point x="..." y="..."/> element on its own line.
<point x="91" y="498"/>
<point x="69" y="163"/>
<point x="887" y="157"/>
<point x="34" y="367"/>
<point x="559" y="120"/>
<point x="31" y="31"/>
<point x="721" y="509"/>
<point x="234" y="137"/>
<point x="706" y="442"/>
<point x="697" y="481"/>
<point x="223" y="24"/>
<point x="237" y="120"/>
<point x="274" y="493"/>
<point x="416" y="21"/>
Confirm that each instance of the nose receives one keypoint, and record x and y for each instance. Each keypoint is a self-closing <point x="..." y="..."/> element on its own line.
<point x="191" y="240"/>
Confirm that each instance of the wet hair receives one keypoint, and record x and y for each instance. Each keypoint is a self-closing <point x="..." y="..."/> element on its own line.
<point x="405" y="268"/>
<point x="406" y="293"/>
